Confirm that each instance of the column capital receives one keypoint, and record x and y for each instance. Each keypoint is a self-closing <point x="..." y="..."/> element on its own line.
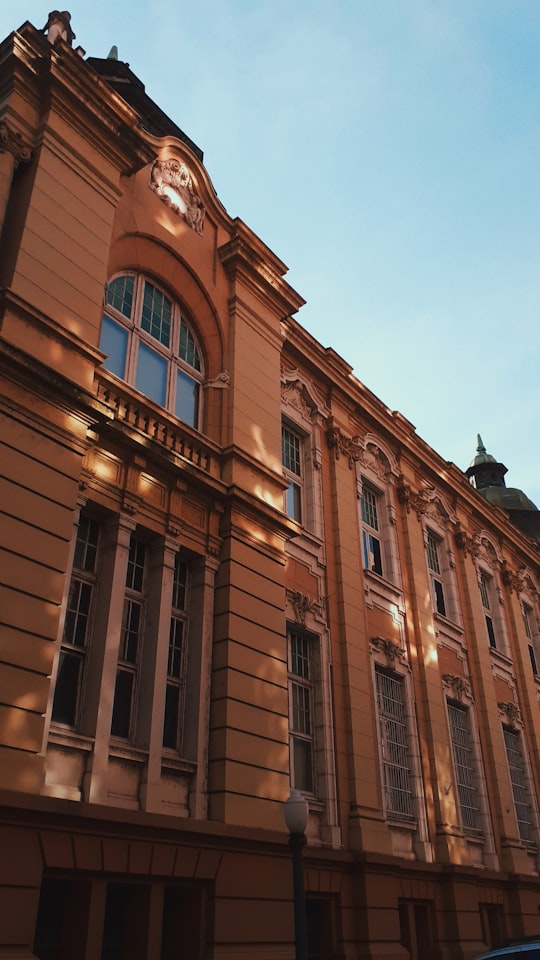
<point x="12" y="142"/>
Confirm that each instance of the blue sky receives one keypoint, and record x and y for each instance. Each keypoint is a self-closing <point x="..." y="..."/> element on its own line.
<point x="389" y="152"/>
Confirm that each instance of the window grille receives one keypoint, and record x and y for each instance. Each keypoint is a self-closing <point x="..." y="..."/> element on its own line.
<point x="148" y="343"/>
<point x="77" y="627"/>
<point x="291" y="446"/>
<point x="131" y="639"/>
<point x="518" y="779"/>
<point x="176" y="662"/>
<point x="371" y="544"/>
<point x="393" y="729"/>
<point x="432" y="552"/>
<point x="464" y="766"/>
<point x="301" y="711"/>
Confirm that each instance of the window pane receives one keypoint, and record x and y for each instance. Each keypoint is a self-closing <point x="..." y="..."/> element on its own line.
<point x="394" y="746"/>
<point x="120" y="294"/>
<point x="484" y="590"/>
<point x="291" y="449"/>
<point x="66" y="693"/>
<point x="113" y="342"/>
<point x="187" y="396"/>
<point x="369" y="508"/>
<point x="433" y="553"/>
<point x="491" y="632"/>
<point x="77" y="613"/>
<point x="122" y="704"/>
<point x="520" y="789"/>
<point x="151" y="374"/>
<point x="170" y="720"/>
<point x="293" y="502"/>
<point x="302" y="764"/>
<point x="156" y="314"/>
<point x="299" y="653"/>
<point x="464" y="764"/>
<point x="86" y="545"/>
<point x="372" y="552"/>
<point x="187" y="348"/>
<point x="439" y="597"/>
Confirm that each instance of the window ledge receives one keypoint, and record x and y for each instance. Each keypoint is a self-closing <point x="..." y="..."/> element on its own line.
<point x="451" y="626"/>
<point x="178" y="764"/>
<point x="127" y="752"/>
<point x="65" y="737"/>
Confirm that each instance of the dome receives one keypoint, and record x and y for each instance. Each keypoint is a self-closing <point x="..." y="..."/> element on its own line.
<point x="482" y="456"/>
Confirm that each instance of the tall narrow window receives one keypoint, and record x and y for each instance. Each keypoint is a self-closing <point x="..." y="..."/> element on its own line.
<point x="394" y="736"/>
<point x="519" y="781"/>
<point x="434" y="566"/>
<point x="464" y="766"/>
<point x="291" y="444"/>
<point x="148" y="342"/>
<point x="176" y="664"/>
<point x="371" y="538"/>
<point x="131" y="639"/>
<point x="485" y="583"/>
<point x="527" y="614"/>
<point x="77" y="627"/>
<point x="301" y="712"/>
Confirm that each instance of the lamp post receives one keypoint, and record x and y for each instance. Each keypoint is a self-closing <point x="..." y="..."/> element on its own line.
<point x="296" y="815"/>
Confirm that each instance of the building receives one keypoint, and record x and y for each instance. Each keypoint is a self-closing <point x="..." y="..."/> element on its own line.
<point x="227" y="568"/>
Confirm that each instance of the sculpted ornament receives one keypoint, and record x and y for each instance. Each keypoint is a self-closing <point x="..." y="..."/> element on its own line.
<point x="390" y="649"/>
<point x="172" y="182"/>
<point x="460" y="686"/>
<point x="12" y="142"/>
<point x="512" y="712"/>
<point x="350" y="447"/>
<point x="304" y="604"/>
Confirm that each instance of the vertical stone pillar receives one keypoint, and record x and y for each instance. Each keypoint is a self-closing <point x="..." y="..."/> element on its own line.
<point x="13" y="151"/>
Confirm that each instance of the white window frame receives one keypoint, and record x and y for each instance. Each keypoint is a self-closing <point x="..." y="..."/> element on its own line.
<point x="177" y="659"/>
<point x="293" y="471"/>
<point x="410" y="835"/>
<point x="128" y="320"/>
<point x="129" y="664"/>
<point x="301" y="651"/>
<point x="83" y="576"/>
<point x="522" y="786"/>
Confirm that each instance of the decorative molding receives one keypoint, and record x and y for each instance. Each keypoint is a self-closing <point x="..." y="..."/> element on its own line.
<point x="221" y="382"/>
<point x="173" y="183"/>
<point x="511" y="711"/>
<point x="350" y="447"/>
<point x="12" y="142"/>
<point x="460" y="686"/>
<point x="512" y="580"/>
<point x="391" y="650"/>
<point x="427" y="501"/>
<point x="303" y="605"/>
<point x="58" y="26"/>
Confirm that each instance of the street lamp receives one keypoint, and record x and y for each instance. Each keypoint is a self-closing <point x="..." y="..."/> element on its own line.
<point x="296" y="816"/>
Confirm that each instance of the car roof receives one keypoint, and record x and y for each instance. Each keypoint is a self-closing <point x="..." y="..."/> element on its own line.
<point x="530" y="948"/>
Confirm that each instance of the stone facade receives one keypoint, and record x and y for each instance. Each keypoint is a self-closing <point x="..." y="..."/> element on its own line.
<point x="226" y="569"/>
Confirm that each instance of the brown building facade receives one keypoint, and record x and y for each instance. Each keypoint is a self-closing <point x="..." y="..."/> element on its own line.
<point x="226" y="570"/>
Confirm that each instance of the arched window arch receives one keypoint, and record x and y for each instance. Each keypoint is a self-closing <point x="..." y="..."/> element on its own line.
<point x="149" y="344"/>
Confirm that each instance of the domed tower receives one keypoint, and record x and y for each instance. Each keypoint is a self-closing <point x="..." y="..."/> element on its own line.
<point x="487" y="475"/>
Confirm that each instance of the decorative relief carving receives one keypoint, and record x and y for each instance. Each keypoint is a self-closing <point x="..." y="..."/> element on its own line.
<point x="221" y="382"/>
<point x="425" y="502"/>
<point x="349" y="447"/>
<point x="515" y="581"/>
<point x="59" y="26"/>
<point x="511" y="712"/>
<point x="389" y="648"/>
<point x="173" y="183"/>
<point x="12" y="142"/>
<point x="460" y="687"/>
<point x="303" y="605"/>
<point x="302" y="396"/>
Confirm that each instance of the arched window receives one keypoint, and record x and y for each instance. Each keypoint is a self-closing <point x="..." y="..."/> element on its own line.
<point x="149" y="344"/>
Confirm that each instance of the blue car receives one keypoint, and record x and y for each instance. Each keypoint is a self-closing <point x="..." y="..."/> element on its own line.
<point x="526" y="949"/>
